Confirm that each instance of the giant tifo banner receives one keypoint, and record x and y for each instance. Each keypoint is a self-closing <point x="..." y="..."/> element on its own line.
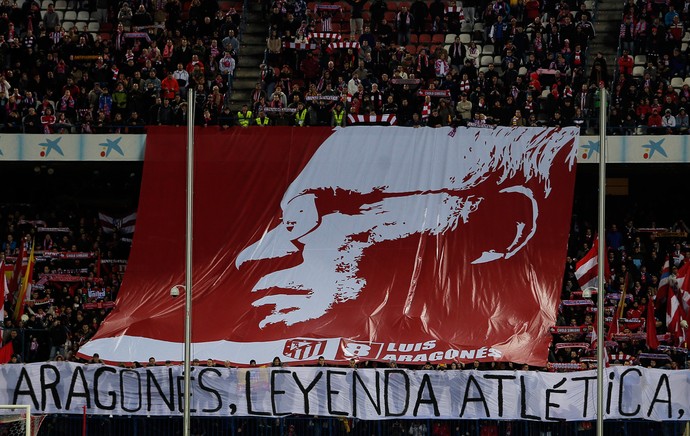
<point x="372" y="243"/>
<point x="372" y="394"/>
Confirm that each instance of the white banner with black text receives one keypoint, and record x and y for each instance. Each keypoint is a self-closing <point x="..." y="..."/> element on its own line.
<point x="370" y="394"/>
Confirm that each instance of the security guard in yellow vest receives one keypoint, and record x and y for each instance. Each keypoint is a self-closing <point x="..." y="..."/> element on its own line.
<point x="338" y="115"/>
<point x="300" y="115"/>
<point x="244" y="117"/>
<point x="262" y="119"/>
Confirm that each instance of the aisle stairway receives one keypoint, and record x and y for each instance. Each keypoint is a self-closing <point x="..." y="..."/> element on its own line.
<point x="607" y="26"/>
<point x="252" y="48"/>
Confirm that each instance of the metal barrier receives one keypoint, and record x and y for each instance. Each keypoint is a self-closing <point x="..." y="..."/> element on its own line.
<point x="72" y="425"/>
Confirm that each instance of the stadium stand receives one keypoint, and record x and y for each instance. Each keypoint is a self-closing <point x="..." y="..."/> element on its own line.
<point x="88" y="70"/>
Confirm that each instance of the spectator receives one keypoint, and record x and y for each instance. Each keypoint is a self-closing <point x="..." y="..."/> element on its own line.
<point x="403" y="24"/>
<point x="419" y="11"/>
<point x="356" y="17"/>
<point x="50" y="19"/>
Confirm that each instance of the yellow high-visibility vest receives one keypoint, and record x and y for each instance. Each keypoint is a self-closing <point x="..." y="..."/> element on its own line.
<point x="264" y="122"/>
<point x="338" y="117"/>
<point x="243" y="119"/>
<point x="301" y="117"/>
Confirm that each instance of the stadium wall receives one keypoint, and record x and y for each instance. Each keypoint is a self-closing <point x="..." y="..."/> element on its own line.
<point x="130" y="148"/>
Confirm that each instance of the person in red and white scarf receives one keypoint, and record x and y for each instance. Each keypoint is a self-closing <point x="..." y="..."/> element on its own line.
<point x="441" y="66"/>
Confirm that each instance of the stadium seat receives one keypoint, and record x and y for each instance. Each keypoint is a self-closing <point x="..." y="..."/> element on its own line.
<point x="45" y="3"/>
<point x="424" y="38"/>
<point x="80" y="25"/>
<point x="401" y="4"/>
<point x="466" y="28"/>
<point x="483" y="69"/>
<point x="83" y="16"/>
<point x="67" y="25"/>
<point x="638" y="71"/>
<point x="94" y="26"/>
<point x="478" y="27"/>
<point x="498" y="59"/>
<point x="70" y="16"/>
<point x="60" y="14"/>
<point x="450" y="38"/>
<point x="686" y="37"/>
<point x="411" y="49"/>
<point x="61" y="5"/>
<point x="545" y="94"/>
<point x="486" y="60"/>
<point x="437" y="39"/>
<point x="686" y="81"/>
<point x="465" y="38"/>
<point x="488" y="49"/>
<point x="640" y="60"/>
<point x="414" y="39"/>
<point x="677" y="82"/>
<point x="684" y="47"/>
<point x="522" y="71"/>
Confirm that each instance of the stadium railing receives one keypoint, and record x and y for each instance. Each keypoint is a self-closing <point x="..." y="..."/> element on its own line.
<point x="313" y="426"/>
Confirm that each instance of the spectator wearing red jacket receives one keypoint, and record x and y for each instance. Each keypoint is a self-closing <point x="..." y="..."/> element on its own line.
<point x="310" y="68"/>
<point x="626" y="64"/>
<point x="170" y="87"/>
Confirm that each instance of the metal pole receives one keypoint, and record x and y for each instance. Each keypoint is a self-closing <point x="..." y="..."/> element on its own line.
<point x="188" y="264"/>
<point x="600" y="260"/>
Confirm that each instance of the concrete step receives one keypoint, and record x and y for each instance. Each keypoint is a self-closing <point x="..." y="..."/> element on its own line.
<point x="246" y="73"/>
<point x="610" y="6"/>
<point x="609" y="16"/>
<point x="240" y="96"/>
<point x="253" y="39"/>
<point x="240" y="83"/>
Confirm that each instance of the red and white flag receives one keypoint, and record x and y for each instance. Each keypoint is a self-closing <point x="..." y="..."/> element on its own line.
<point x="652" y="340"/>
<point x="683" y="284"/>
<point x="5" y="285"/>
<point x="664" y="285"/>
<point x="124" y="225"/>
<point x="586" y="271"/>
<point x="675" y="317"/>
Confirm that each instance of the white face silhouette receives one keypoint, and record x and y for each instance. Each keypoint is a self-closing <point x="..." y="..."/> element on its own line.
<point x="419" y="183"/>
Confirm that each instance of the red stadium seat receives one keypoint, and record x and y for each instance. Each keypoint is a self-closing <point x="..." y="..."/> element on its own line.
<point x="438" y="39"/>
<point x="412" y="49"/>
<point x="424" y="39"/>
<point x="414" y="39"/>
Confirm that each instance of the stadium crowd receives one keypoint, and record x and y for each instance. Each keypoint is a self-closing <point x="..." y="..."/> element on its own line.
<point x="134" y="73"/>
<point x="429" y="64"/>
<point x="650" y="93"/>
<point x="519" y="63"/>
<point x="510" y="64"/>
<point x="80" y="260"/>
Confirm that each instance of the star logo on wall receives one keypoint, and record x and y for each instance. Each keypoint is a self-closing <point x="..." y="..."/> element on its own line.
<point x="50" y="145"/>
<point x="111" y="145"/>
<point x="654" y="147"/>
<point x="590" y="147"/>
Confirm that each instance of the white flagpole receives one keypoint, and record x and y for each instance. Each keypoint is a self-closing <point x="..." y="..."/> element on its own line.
<point x="601" y="260"/>
<point x="188" y="264"/>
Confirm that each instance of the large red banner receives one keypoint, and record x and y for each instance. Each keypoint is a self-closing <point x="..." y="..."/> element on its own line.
<point x="373" y="243"/>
